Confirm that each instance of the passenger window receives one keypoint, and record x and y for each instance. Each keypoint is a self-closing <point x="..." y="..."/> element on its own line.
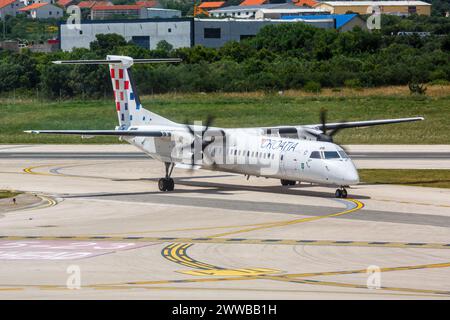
<point x="235" y="152"/>
<point x="331" y="155"/>
<point x="315" y="155"/>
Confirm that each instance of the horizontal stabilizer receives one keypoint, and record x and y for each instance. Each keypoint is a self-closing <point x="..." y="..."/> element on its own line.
<point x="114" y="61"/>
<point x="120" y="133"/>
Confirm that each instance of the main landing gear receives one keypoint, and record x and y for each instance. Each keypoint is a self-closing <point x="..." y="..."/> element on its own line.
<point x="167" y="183"/>
<point x="288" y="182"/>
<point x="341" y="193"/>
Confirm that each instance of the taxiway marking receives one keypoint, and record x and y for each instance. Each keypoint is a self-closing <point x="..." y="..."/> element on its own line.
<point x="30" y="170"/>
<point x="357" y="286"/>
<point x="306" y="242"/>
<point x="176" y="252"/>
<point x="358" y="205"/>
<point x="296" y="278"/>
<point x="284" y="277"/>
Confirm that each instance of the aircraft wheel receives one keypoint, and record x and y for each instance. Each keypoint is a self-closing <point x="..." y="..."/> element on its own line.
<point x="344" y="193"/>
<point x="338" y="193"/>
<point x="166" y="184"/>
<point x="162" y="185"/>
<point x="170" y="184"/>
<point x="292" y="183"/>
<point x="284" y="182"/>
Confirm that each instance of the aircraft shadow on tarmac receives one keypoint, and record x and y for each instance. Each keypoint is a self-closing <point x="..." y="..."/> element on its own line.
<point x="225" y="188"/>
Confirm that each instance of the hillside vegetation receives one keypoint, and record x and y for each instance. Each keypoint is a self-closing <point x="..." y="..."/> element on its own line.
<point x="279" y="57"/>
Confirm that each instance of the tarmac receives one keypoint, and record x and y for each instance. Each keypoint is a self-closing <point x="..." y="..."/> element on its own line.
<point x="92" y="224"/>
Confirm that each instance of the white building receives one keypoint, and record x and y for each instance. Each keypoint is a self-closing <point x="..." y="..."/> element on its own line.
<point x="43" y="10"/>
<point x="145" y="32"/>
<point x="30" y="2"/>
<point x="163" y="13"/>
<point x="246" y="12"/>
<point x="277" y="13"/>
<point x="9" y="7"/>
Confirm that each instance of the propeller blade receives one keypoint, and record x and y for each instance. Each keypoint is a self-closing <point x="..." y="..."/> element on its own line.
<point x="323" y="120"/>
<point x="196" y="137"/>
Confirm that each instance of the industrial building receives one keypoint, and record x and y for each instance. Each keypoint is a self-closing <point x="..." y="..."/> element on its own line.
<point x="343" y="22"/>
<point x="187" y="32"/>
<point x="277" y="13"/>
<point x="105" y="12"/>
<point x="214" y="33"/>
<point x="143" y="32"/>
<point x="402" y="8"/>
<point x="153" y="13"/>
<point x="247" y="11"/>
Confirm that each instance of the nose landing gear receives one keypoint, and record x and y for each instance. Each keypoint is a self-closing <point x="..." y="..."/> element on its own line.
<point x="341" y="193"/>
<point x="288" y="182"/>
<point x="167" y="183"/>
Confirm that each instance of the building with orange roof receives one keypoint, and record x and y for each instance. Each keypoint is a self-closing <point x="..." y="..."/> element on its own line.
<point x="65" y="3"/>
<point x="205" y="6"/>
<point x="42" y="10"/>
<point x="90" y="4"/>
<point x="101" y="12"/>
<point x="10" y="7"/>
<point x="149" y="4"/>
<point x="211" y="4"/>
<point x="305" y="3"/>
<point x="253" y="2"/>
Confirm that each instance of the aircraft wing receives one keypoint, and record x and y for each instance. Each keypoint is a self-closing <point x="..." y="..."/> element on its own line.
<point x="369" y="123"/>
<point x="129" y="133"/>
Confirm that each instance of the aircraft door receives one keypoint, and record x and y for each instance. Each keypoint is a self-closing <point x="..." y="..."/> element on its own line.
<point x="314" y="167"/>
<point x="290" y="164"/>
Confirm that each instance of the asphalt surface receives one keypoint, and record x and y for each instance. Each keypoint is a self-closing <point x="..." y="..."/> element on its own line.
<point x="140" y="155"/>
<point x="216" y="236"/>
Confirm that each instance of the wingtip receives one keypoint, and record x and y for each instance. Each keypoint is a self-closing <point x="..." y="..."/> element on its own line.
<point x="31" y="131"/>
<point x="57" y="62"/>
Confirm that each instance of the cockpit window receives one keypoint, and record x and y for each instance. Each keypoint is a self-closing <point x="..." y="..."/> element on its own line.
<point x="343" y="154"/>
<point x="315" y="155"/>
<point x="331" y="155"/>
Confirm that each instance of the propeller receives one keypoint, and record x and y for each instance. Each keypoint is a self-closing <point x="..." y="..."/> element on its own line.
<point x="200" y="138"/>
<point x="325" y="135"/>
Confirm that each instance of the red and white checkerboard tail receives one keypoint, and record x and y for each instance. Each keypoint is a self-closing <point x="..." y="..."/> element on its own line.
<point x="128" y="105"/>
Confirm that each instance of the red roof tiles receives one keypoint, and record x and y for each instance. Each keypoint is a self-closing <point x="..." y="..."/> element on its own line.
<point x="4" y="3"/>
<point x="253" y="2"/>
<point x="34" y="6"/>
<point x="118" y="7"/>
<point x="211" y="4"/>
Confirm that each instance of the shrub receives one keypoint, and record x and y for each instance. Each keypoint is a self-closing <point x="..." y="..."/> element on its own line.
<point x="312" y="86"/>
<point x="353" y="83"/>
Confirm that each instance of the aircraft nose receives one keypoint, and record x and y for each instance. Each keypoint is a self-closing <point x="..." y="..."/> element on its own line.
<point x="350" y="174"/>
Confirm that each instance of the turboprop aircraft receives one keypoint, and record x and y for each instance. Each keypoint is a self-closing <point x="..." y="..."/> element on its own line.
<point x="304" y="153"/>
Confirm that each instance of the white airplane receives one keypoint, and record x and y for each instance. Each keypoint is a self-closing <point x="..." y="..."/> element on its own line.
<point x="289" y="153"/>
